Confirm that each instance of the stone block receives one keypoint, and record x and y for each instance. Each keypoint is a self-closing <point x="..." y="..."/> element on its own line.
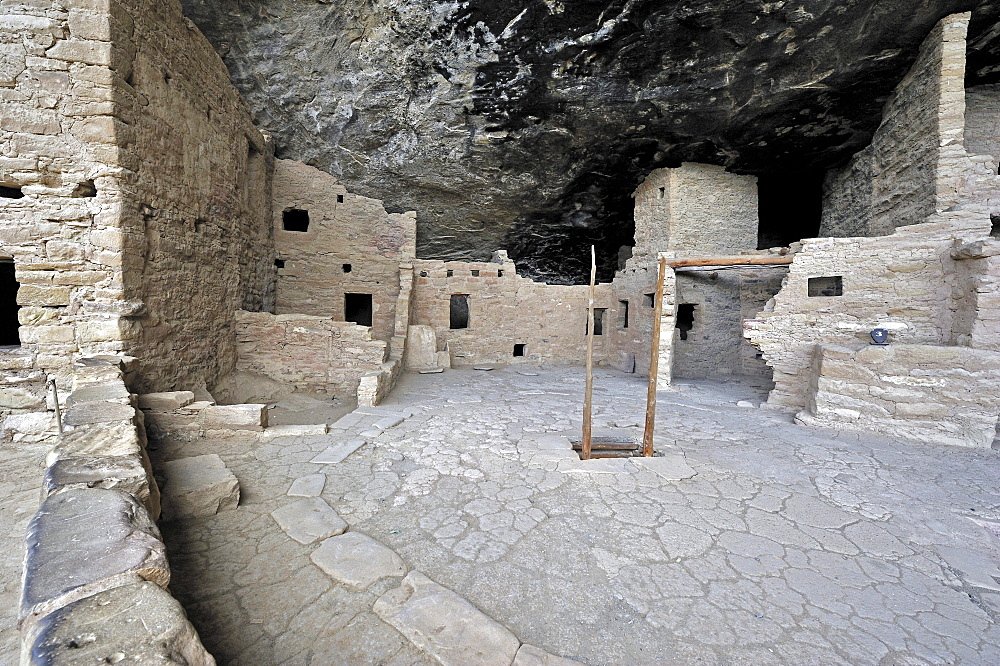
<point x="166" y="401"/>
<point x="198" y="486"/>
<point x="357" y="560"/>
<point x="233" y="417"/>
<point x="85" y="413"/>
<point x="103" y="440"/>
<point x="529" y="655"/>
<point x="84" y="541"/>
<point x="445" y="625"/>
<point x="308" y="520"/>
<point x="421" y="347"/>
<point x="30" y="294"/>
<point x="138" y="623"/>
<point x="310" y="485"/>
<point x="81" y="50"/>
<point x="126" y="473"/>
<point x="17" y="397"/>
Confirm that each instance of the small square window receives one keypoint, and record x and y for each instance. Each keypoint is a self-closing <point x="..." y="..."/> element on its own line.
<point x="500" y="273"/>
<point x="347" y="268"/>
<point x="826" y="286"/>
<point x="340" y="198"/>
<point x="423" y="273"/>
<point x="279" y="263"/>
<point x="475" y="272"/>
<point x="649" y="300"/>
<point x="295" y="219"/>
<point x="451" y="273"/>
<point x="519" y="349"/>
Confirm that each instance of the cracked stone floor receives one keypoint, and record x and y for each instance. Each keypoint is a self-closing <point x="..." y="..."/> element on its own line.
<point x="791" y="545"/>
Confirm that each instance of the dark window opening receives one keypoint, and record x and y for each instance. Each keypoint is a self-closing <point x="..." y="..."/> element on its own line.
<point x="459" y="311"/>
<point x="451" y="273"/>
<point x="623" y="309"/>
<point x="826" y="286"/>
<point x="685" y="319"/>
<point x="598" y="321"/>
<point x="358" y="308"/>
<point x="499" y="273"/>
<point x="295" y="219"/>
<point x="661" y="193"/>
<point x="340" y="198"/>
<point x="85" y="189"/>
<point x="7" y="192"/>
<point x="279" y="263"/>
<point x="475" y="272"/>
<point x="8" y="305"/>
<point x="423" y="273"/>
<point x="199" y="225"/>
<point x="519" y="350"/>
<point x="995" y="229"/>
<point x="789" y="206"/>
<point x="347" y="268"/>
<point x="649" y="300"/>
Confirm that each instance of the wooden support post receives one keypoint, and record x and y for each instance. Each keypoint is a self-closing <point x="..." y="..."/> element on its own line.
<point x="654" y="364"/>
<point x="589" y="391"/>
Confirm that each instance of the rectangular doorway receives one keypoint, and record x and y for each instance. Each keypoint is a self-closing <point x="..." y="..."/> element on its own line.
<point x="8" y="304"/>
<point x="458" y="313"/>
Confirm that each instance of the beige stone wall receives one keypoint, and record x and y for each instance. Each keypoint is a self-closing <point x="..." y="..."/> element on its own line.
<point x="982" y="137"/>
<point x="344" y="229"/>
<point x="695" y="210"/>
<point x="722" y="299"/>
<point x="141" y="226"/>
<point x="506" y="309"/>
<point x="196" y="195"/>
<point x="927" y="393"/>
<point x="915" y="164"/>
<point x="307" y="352"/>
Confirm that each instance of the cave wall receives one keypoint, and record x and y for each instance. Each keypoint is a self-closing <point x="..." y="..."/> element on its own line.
<point x="351" y="246"/>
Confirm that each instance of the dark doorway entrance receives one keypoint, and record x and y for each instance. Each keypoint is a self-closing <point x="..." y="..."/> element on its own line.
<point x="459" y="311"/>
<point x="8" y="304"/>
<point x="358" y="308"/>
<point x="790" y="207"/>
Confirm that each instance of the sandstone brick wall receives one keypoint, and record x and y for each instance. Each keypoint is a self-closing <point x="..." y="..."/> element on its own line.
<point x="504" y="310"/>
<point x="928" y="393"/>
<point x="697" y="209"/>
<point x="196" y="196"/>
<point x="344" y="230"/>
<point x="912" y="167"/>
<point x="722" y="299"/>
<point x="307" y="352"/>
<point x="982" y="137"/>
<point x="141" y="226"/>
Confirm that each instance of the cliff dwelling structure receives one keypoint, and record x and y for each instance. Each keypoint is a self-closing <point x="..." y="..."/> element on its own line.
<point x="295" y="329"/>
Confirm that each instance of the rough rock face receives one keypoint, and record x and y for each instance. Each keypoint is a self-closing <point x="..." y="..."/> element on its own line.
<point x="528" y="125"/>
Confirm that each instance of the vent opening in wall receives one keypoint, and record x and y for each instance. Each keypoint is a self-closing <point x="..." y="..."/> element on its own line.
<point x="279" y="263"/>
<point x="340" y="198"/>
<point x="8" y="192"/>
<point x="789" y="207"/>
<point x="519" y="350"/>
<point x="347" y="268"/>
<point x="995" y="228"/>
<point x="623" y="309"/>
<point x="685" y="319"/>
<point x="660" y="193"/>
<point x="826" y="286"/>
<point x="500" y="273"/>
<point x="475" y="272"/>
<point x="423" y="273"/>
<point x="598" y="321"/>
<point x="8" y="304"/>
<point x="85" y="189"/>
<point x="295" y="219"/>
<point x="358" y="308"/>
<point x="648" y="300"/>
<point x="450" y="273"/>
<point x="458" y="313"/>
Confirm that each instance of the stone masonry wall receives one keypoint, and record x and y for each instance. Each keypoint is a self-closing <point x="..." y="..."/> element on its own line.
<point x="982" y="137"/>
<point x="927" y="393"/>
<point x="506" y="309"/>
<point x="139" y="224"/>
<point x="196" y="196"/>
<point x="723" y="299"/>
<point x="345" y="230"/>
<point x="907" y="282"/>
<point x="95" y="564"/>
<point x="307" y="352"/>
<point x="908" y="172"/>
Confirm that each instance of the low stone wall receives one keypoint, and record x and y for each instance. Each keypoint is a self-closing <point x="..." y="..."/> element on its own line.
<point x="95" y="563"/>
<point x="927" y="393"/>
<point x="311" y="353"/>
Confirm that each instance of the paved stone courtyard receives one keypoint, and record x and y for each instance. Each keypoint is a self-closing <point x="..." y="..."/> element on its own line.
<point x="789" y="545"/>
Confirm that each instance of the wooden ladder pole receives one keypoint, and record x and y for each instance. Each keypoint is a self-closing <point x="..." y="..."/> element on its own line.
<point x="654" y="364"/>
<point x="589" y="391"/>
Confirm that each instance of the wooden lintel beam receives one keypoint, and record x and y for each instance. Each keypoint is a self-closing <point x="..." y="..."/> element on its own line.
<point x="730" y="261"/>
